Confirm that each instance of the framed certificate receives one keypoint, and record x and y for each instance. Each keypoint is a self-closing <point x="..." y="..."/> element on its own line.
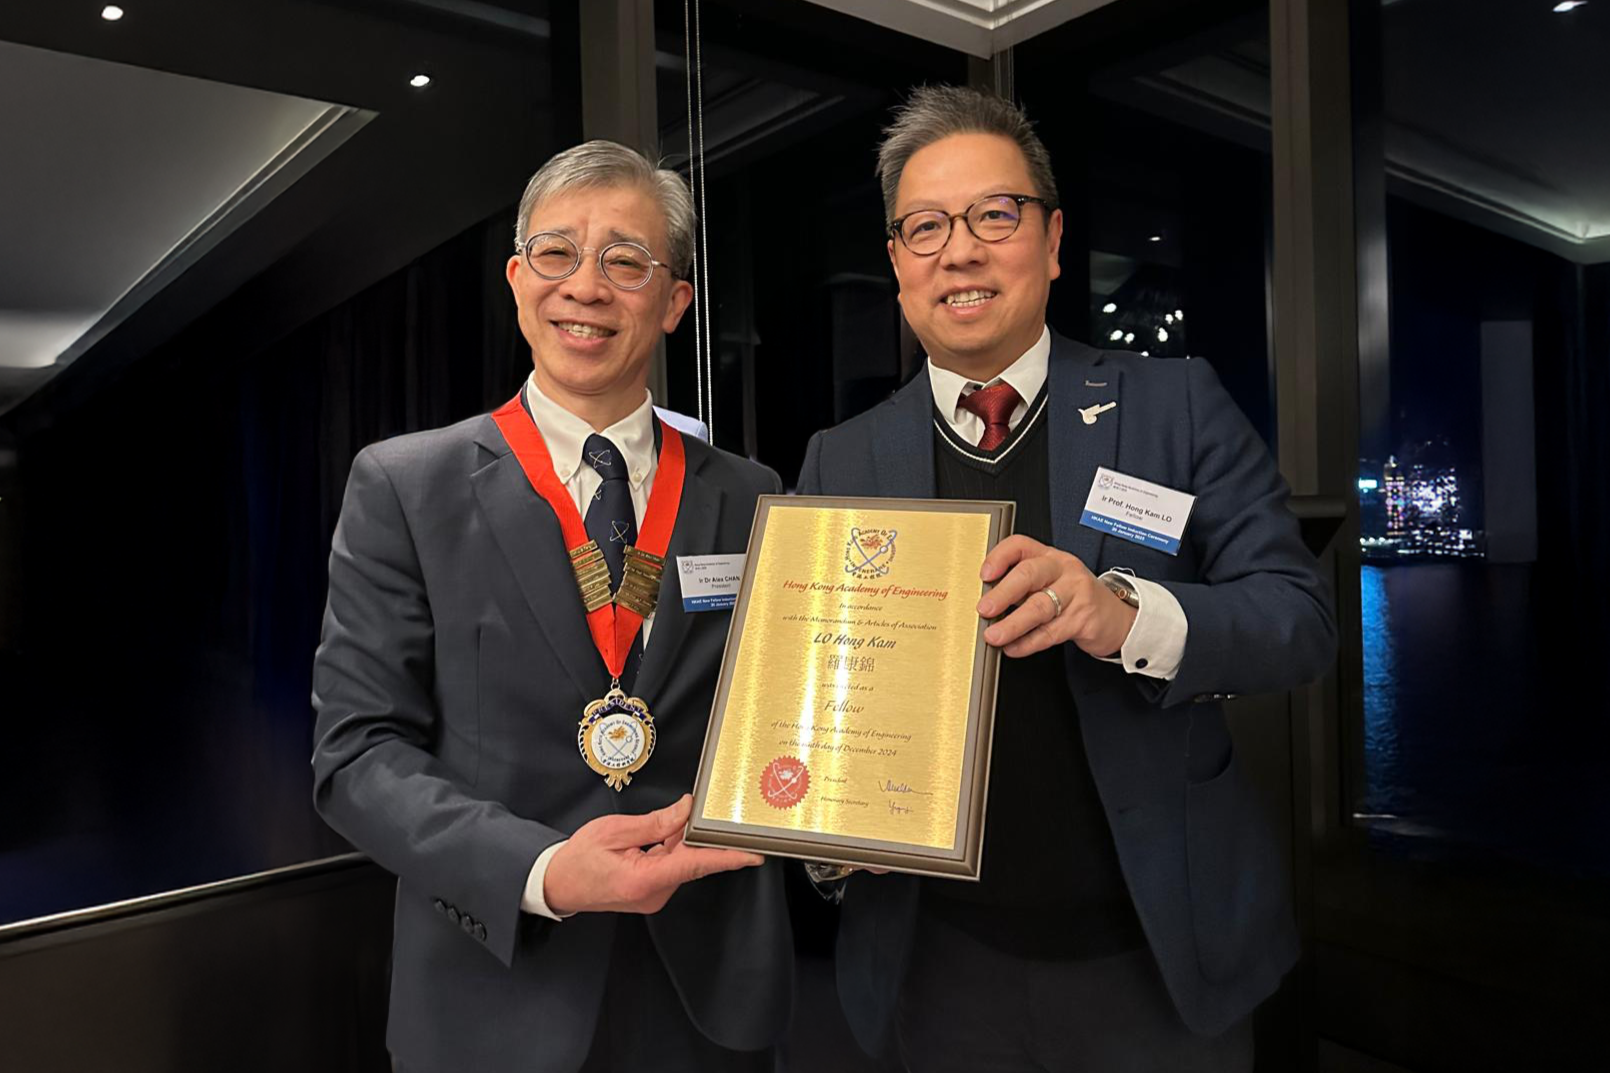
<point x="853" y="716"/>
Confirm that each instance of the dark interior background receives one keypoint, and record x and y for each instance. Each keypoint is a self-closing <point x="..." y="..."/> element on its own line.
<point x="166" y="503"/>
<point x="173" y="492"/>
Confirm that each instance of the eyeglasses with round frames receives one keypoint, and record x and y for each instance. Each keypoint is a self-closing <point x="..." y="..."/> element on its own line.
<point x="993" y="218"/>
<point x="626" y="265"/>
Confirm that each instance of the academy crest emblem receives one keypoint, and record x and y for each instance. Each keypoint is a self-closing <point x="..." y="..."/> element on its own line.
<point x="869" y="553"/>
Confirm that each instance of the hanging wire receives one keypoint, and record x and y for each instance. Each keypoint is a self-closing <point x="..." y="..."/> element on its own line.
<point x="703" y="356"/>
<point x="693" y="185"/>
<point x="704" y="230"/>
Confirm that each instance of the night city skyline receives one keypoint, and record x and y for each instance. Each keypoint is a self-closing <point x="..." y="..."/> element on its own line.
<point x="1410" y="511"/>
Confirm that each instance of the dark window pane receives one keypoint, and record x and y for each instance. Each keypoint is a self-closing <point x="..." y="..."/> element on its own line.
<point x="1482" y="485"/>
<point x="1162" y="156"/>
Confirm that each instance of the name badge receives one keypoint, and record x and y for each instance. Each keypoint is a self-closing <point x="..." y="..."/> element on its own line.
<point x="710" y="582"/>
<point x="1136" y="510"/>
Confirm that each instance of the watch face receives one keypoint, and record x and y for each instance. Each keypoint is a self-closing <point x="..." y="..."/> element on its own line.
<point x="1122" y="591"/>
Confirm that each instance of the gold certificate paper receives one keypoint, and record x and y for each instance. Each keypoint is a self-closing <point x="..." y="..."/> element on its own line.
<point x="853" y="714"/>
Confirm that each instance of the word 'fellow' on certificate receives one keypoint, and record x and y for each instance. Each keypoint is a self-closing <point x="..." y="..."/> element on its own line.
<point x="853" y="715"/>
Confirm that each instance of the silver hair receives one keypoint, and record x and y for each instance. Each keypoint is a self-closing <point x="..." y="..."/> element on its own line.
<point x="599" y="163"/>
<point x="935" y="112"/>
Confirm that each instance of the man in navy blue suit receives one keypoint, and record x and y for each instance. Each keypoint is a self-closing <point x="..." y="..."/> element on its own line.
<point x="1133" y="908"/>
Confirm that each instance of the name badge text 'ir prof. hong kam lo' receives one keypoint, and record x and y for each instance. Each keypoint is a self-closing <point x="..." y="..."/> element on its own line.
<point x="1147" y="514"/>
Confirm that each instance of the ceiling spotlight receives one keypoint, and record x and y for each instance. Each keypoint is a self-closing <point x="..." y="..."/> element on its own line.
<point x="111" y="13"/>
<point x="1162" y="335"/>
<point x="1568" y="5"/>
<point x="1145" y="353"/>
<point x="1169" y="317"/>
<point x="419" y="81"/>
<point x="1179" y="314"/>
<point x="1117" y="334"/>
<point x="1129" y="338"/>
<point x="1110" y="307"/>
<point x="1155" y="238"/>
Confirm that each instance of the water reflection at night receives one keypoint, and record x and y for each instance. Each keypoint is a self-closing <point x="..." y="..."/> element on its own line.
<point x="1380" y="695"/>
<point x="1478" y="741"/>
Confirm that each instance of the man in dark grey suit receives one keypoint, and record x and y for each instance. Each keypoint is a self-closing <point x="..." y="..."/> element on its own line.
<point x="1133" y="909"/>
<point x="491" y="642"/>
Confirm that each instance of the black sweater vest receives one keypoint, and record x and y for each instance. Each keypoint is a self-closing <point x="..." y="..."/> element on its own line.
<point x="1051" y="885"/>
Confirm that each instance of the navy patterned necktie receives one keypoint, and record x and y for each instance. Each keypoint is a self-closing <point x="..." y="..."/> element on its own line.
<point x="612" y="522"/>
<point x="610" y="518"/>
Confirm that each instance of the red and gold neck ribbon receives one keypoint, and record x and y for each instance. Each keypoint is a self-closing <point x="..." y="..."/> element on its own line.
<point x="613" y="627"/>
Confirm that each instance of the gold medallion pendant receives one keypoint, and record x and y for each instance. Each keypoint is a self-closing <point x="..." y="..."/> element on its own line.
<point x="616" y="733"/>
<point x="616" y="737"/>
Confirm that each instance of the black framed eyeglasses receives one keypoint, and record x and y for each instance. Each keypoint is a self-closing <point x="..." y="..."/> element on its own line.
<point x="625" y="264"/>
<point x="993" y="218"/>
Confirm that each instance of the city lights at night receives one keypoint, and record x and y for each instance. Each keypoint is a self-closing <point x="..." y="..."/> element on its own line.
<point x="1415" y="511"/>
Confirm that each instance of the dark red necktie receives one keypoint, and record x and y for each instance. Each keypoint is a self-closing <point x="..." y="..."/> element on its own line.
<point x="994" y="406"/>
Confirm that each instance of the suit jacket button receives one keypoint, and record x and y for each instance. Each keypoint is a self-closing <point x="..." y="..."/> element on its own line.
<point x="480" y="931"/>
<point x="452" y="914"/>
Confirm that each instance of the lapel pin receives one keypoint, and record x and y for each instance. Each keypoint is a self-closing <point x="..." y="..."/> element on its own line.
<point x="1090" y="413"/>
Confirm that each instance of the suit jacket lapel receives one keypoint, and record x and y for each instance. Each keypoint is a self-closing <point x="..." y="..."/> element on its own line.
<point x="903" y="445"/>
<point x="697" y="526"/>
<point x="1079" y="380"/>
<point x="527" y="533"/>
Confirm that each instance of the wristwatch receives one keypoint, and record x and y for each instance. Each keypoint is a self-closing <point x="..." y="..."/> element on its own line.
<point x="821" y="872"/>
<point x="1122" y="590"/>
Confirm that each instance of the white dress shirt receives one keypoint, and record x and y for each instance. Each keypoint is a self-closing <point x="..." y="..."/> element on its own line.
<point x="565" y="433"/>
<point x="1156" y="641"/>
<point x="1026" y="375"/>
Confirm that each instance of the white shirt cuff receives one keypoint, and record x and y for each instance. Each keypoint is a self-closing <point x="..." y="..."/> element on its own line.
<point x="533" y="901"/>
<point x="1156" y="642"/>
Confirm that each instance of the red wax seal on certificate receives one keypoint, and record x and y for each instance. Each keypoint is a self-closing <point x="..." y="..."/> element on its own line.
<point x="784" y="782"/>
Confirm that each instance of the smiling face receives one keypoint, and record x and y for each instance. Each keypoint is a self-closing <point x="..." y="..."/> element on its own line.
<point x="976" y="306"/>
<point x="591" y="342"/>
